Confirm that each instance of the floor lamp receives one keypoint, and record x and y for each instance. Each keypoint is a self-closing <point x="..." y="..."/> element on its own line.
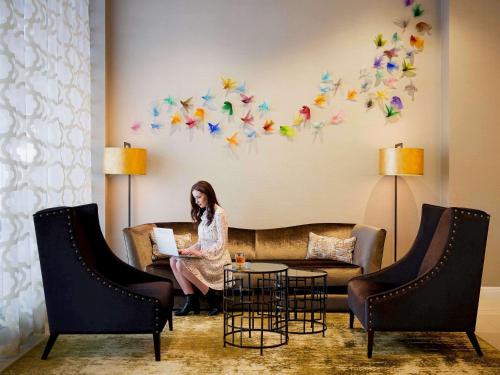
<point x="400" y="161"/>
<point x="126" y="160"/>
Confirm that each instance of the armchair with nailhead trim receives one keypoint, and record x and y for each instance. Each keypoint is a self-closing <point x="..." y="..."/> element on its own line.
<point x="88" y="290"/>
<point x="435" y="286"/>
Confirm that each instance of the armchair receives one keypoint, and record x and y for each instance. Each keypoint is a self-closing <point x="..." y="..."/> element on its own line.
<point x="88" y="290"/>
<point x="435" y="287"/>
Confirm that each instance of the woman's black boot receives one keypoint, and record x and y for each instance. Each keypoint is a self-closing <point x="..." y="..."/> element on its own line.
<point x="192" y="304"/>
<point x="213" y="302"/>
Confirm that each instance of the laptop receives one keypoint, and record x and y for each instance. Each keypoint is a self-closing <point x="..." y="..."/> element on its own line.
<point x="165" y="240"/>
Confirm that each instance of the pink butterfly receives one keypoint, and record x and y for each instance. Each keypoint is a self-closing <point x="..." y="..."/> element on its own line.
<point x="135" y="126"/>
<point x="191" y="122"/>
<point x="248" y="119"/>
<point x="390" y="82"/>
<point x="337" y="118"/>
<point x="246" y="99"/>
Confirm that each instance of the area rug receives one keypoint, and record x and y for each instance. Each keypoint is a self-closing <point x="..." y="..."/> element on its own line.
<point x="196" y="347"/>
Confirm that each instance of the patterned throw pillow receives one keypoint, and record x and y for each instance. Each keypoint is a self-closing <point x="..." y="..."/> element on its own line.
<point x="182" y="241"/>
<point x="324" y="247"/>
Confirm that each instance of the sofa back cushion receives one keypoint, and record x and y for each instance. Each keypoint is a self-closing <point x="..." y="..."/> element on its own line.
<point x="291" y="242"/>
<point x="239" y="239"/>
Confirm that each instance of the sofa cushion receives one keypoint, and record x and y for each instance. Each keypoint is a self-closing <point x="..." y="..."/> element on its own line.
<point x="338" y="273"/>
<point x="326" y="247"/>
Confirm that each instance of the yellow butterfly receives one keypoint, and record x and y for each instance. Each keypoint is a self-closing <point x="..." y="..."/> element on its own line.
<point x="228" y="83"/>
<point x="233" y="140"/>
<point x="200" y="114"/>
<point x="352" y="95"/>
<point x="379" y="41"/>
<point x="298" y="120"/>
<point x="176" y="119"/>
<point x="381" y="95"/>
<point x="320" y="100"/>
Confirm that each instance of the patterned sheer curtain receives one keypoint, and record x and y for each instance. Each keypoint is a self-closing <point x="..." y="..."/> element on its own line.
<point x="44" y="143"/>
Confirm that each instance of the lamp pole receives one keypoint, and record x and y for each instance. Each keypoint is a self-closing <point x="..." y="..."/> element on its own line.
<point x="128" y="145"/>
<point x="397" y="145"/>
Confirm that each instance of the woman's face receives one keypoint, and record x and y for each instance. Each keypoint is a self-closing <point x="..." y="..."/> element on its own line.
<point x="200" y="198"/>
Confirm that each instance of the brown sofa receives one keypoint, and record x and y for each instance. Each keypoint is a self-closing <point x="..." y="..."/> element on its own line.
<point x="281" y="245"/>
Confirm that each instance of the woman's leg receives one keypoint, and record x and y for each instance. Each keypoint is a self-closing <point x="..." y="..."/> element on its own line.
<point x="185" y="284"/>
<point x="187" y="275"/>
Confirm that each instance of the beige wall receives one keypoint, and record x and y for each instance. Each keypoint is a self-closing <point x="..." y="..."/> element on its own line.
<point x="474" y="126"/>
<point x="279" y="48"/>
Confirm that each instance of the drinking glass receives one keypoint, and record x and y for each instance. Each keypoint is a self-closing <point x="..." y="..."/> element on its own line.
<point x="240" y="259"/>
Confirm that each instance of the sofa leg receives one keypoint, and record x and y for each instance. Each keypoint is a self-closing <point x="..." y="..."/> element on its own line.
<point x="50" y="343"/>
<point x="370" y="335"/>
<point x="474" y="342"/>
<point x="170" y="321"/>
<point x="351" y="319"/>
<point x="156" y="341"/>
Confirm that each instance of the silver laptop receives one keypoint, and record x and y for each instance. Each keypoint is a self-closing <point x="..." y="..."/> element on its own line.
<point x="165" y="240"/>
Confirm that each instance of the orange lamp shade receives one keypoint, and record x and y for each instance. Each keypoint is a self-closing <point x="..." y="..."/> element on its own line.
<point x="125" y="160"/>
<point x="401" y="161"/>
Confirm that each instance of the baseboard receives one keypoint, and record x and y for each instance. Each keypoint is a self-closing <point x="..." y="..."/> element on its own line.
<point x="489" y="300"/>
<point x="26" y="347"/>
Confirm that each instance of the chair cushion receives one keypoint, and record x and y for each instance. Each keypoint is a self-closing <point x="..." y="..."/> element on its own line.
<point x="162" y="290"/>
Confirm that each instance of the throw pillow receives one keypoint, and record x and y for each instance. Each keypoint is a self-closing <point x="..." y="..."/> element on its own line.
<point x="182" y="241"/>
<point x="324" y="247"/>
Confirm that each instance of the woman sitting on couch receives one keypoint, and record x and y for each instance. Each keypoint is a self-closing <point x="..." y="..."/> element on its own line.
<point x="206" y="271"/>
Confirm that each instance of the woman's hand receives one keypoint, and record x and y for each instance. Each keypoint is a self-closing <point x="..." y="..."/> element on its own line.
<point x="190" y="252"/>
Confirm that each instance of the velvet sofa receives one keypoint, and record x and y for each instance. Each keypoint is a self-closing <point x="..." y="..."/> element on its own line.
<point x="280" y="245"/>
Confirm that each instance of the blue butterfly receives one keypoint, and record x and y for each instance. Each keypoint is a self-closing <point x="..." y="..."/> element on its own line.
<point x="324" y="88"/>
<point x="241" y="88"/>
<point x="325" y="77"/>
<point x="264" y="107"/>
<point x="155" y="126"/>
<point x="391" y="66"/>
<point x="214" y="128"/>
<point x="250" y="133"/>
<point x="207" y="98"/>
<point x="155" y="111"/>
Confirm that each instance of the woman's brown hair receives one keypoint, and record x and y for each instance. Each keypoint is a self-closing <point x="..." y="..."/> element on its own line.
<point x="196" y="211"/>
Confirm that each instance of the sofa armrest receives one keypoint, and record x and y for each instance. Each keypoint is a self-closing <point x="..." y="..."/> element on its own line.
<point x="369" y="247"/>
<point x="138" y="245"/>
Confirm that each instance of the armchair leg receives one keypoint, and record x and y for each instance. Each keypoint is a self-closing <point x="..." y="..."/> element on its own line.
<point x="50" y="343"/>
<point x="351" y="319"/>
<point x="370" y="336"/>
<point x="170" y="321"/>
<point x="156" y="340"/>
<point x="474" y="342"/>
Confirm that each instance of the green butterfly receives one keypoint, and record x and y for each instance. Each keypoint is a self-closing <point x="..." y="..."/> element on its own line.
<point x="169" y="100"/>
<point x="287" y="131"/>
<point x="228" y="107"/>
<point x="417" y="10"/>
<point x="390" y="111"/>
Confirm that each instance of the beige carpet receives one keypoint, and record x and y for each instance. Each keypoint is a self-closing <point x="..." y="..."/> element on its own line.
<point x="195" y="347"/>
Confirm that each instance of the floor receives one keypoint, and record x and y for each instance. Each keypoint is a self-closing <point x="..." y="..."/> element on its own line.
<point x="487" y="326"/>
<point x="488" y="317"/>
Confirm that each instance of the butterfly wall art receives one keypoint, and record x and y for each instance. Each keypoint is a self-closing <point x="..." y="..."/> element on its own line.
<point x="232" y="108"/>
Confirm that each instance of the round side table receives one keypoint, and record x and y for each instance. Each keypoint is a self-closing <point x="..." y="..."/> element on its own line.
<point x="307" y="301"/>
<point x="255" y="305"/>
